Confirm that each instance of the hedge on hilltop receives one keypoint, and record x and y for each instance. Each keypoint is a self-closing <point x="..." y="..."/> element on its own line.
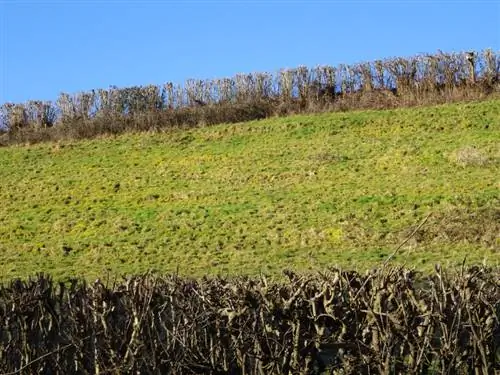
<point x="389" y="83"/>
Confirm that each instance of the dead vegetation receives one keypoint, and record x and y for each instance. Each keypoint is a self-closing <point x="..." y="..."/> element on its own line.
<point x="470" y="156"/>
<point x="480" y="225"/>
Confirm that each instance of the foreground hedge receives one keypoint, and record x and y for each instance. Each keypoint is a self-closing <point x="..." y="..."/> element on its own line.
<point x="392" y="320"/>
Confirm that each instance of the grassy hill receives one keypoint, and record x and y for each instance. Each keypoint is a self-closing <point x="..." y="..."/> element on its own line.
<point x="302" y="192"/>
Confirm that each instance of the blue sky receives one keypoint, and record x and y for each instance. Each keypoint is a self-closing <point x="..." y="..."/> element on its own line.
<point x="48" y="47"/>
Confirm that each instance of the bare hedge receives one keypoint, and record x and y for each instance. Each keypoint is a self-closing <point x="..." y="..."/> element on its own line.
<point x="389" y="83"/>
<point x="387" y="321"/>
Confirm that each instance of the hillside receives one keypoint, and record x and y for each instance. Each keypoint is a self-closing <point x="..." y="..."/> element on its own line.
<point x="302" y="192"/>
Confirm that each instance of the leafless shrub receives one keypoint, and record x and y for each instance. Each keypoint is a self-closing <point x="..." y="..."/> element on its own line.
<point x="391" y="320"/>
<point x="15" y="116"/>
<point x="43" y="114"/>
<point x="418" y="80"/>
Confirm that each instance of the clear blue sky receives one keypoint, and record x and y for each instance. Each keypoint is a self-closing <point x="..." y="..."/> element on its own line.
<point x="48" y="47"/>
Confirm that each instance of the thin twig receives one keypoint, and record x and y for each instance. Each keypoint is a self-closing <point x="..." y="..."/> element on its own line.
<point x="21" y="369"/>
<point x="406" y="239"/>
<point x="393" y="254"/>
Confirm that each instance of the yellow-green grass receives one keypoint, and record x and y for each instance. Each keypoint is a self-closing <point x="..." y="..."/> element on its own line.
<point x="304" y="192"/>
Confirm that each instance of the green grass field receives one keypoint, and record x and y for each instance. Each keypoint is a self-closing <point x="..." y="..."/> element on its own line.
<point x="303" y="192"/>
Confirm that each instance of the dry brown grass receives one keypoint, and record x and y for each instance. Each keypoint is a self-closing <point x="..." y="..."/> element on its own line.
<point x="460" y="225"/>
<point x="469" y="156"/>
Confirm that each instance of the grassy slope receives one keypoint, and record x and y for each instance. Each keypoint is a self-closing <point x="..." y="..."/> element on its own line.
<point x="299" y="192"/>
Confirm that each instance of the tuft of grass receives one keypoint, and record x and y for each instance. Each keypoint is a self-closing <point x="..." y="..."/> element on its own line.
<point x="469" y="156"/>
<point x="303" y="192"/>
